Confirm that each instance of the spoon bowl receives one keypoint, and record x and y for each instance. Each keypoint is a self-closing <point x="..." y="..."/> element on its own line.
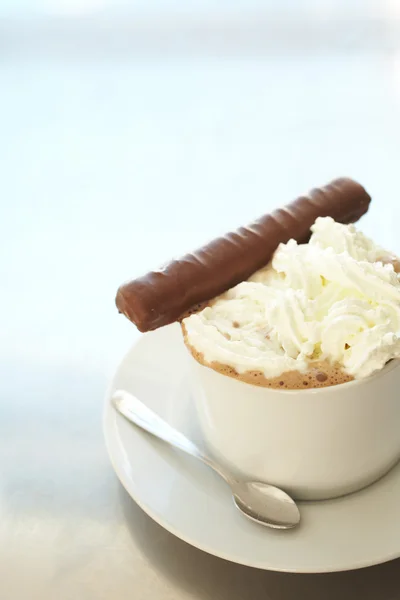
<point x="252" y="498"/>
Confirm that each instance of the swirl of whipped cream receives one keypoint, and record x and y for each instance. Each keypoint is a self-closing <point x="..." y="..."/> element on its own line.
<point x="335" y="298"/>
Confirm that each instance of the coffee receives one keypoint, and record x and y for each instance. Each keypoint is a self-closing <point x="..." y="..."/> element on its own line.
<point x="318" y="374"/>
<point x="320" y="314"/>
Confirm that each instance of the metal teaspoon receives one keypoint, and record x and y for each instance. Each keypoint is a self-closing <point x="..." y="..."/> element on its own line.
<point x="260" y="502"/>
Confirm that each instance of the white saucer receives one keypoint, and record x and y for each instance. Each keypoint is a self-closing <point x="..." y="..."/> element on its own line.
<point x="191" y="502"/>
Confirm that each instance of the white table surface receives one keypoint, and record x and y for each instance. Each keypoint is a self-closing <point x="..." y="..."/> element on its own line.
<point x="129" y="134"/>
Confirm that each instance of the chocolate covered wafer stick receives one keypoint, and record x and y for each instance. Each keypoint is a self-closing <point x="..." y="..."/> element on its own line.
<point x="165" y="295"/>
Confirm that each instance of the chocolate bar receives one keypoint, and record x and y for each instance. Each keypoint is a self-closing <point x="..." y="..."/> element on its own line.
<point x="167" y="294"/>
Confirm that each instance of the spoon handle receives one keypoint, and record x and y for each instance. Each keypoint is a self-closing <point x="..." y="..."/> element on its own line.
<point x="141" y="415"/>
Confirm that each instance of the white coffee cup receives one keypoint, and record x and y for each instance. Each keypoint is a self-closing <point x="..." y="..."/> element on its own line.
<point x="314" y="443"/>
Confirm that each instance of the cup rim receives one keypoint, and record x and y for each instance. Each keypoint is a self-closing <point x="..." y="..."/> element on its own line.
<point x="390" y="366"/>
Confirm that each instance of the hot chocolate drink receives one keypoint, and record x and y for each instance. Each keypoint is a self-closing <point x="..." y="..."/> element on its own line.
<point x="319" y="314"/>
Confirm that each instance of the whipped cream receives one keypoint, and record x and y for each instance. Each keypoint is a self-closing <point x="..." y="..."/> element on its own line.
<point x="335" y="298"/>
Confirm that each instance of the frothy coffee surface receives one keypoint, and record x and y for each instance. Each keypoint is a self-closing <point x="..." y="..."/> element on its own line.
<point x="318" y="374"/>
<point x="329" y="307"/>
